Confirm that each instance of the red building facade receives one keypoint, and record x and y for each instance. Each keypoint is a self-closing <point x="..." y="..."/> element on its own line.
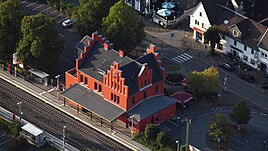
<point x="134" y="88"/>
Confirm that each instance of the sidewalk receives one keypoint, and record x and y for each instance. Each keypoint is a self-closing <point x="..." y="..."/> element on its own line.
<point x="53" y="101"/>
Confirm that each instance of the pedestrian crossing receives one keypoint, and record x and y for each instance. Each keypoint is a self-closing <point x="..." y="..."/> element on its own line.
<point x="182" y="58"/>
<point x="220" y="108"/>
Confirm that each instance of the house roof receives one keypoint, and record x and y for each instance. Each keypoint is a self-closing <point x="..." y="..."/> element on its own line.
<point x="32" y="129"/>
<point x="182" y="97"/>
<point x="93" y="102"/>
<point x="213" y="8"/>
<point x="150" y="106"/>
<point x="99" y="60"/>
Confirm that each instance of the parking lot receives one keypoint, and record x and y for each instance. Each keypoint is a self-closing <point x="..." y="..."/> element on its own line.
<point x="5" y="140"/>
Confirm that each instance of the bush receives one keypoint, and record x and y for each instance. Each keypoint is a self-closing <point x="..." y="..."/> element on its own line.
<point x="151" y="131"/>
<point x="161" y="139"/>
<point x="174" y="77"/>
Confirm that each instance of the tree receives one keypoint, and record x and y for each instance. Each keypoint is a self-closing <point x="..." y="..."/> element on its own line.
<point x="88" y="17"/>
<point x="151" y="131"/>
<point x="204" y="83"/>
<point x="241" y="113"/>
<point x="161" y="139"/>
<point x="218" y="128"/>
<point x="10" y="20"/>
<point x="40" y="43"/>
<point x="212" y="35"/>
<point x="122" y="27"/>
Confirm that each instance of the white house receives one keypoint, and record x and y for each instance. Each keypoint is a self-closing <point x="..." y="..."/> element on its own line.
<point x="243" y="38"/>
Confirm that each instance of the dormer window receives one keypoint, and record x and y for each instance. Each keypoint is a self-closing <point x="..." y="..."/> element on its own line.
<point x="235" y="34"/>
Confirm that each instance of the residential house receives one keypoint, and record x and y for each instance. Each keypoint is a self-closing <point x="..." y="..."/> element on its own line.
<point x="115" y="87"/>
<point x="242" y="37"/>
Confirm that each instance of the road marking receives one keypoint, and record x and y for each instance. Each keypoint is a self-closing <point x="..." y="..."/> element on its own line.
<point x="6" y="141"/>
<point x="176" y="60"/>
<point x="182" y="58"/>
<point x="61" y="35"/>
<point x="42" y="92"/>
<point x="31" y="4"/>
<point x="24" y="1"/>
<point x="51" y="90"/>
<point x="185" y="56"/>
<point x="53" y="12"/>
<point x="173" y="123"/>
<point x="188" y="55"/>
<point x="62" y="20"/>
<point x="57" y="16"/>
<point x="2" y="135"/>
<point x="45" y="9"/>
<point x="38" y="7"/>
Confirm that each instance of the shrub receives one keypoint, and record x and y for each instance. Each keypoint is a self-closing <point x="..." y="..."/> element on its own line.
<point x="151" y="131"/>
<point x="174" y="77"/>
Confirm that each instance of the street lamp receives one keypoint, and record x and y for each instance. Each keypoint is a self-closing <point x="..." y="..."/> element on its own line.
<point x="20" y="113"/>
<point x="63" y="138"/>
<point x="178" y="145"/>
<point x="58" y="85"/>
<point x="188" y="122"/>
<point x="132" y="121"/>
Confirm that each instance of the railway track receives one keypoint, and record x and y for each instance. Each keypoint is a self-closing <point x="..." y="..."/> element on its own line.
<point x="61" y="118"/>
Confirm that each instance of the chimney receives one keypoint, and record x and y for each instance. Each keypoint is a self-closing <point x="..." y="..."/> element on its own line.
<point x="152" y="48"/>
<point x="106" y="45"/>
<point x="90" y="42"/>
<point x="100" y="38"/>
<point x="103" y="39"/>
<point x="111" y="45"/>
<point x="86" y="48"/>
<point x="95" y="35"/>
<point x="121" y="53"/>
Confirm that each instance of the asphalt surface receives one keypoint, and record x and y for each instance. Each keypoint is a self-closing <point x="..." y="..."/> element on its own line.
<point x="68" y="56"/>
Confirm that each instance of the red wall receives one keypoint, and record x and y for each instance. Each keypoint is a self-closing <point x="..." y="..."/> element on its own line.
<point x="163" y="115"/>
<point x="69" y="79"/>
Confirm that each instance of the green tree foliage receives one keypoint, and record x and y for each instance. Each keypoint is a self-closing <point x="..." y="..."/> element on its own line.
<point x="212" y="35"/>
<point x="40" y="42"/>
<point x="122" y="27"/>
<point x="151" y="131"/>
<point x="204" y="83"/>
<point x="218" y="127"/>
<point x="241" y="113"/>
<point x="10" y="20"/>
<point x="161" y="139"/>
<point x="88" y="17"/>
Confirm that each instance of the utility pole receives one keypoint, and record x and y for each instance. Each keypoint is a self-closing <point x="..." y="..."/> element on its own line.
<point x="63" y="138"/>
<point x="20" y="113"/>
<point x="58" y="85"/>
<point x="188" y="122"/>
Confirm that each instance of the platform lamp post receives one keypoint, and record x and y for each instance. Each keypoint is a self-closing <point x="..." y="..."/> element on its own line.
<point x="132" y="123"/>
<point x="58" y="85"/>
<point x="178" y="145"/>
<point x="20" y="113"/>
<point x="63" y="138"/>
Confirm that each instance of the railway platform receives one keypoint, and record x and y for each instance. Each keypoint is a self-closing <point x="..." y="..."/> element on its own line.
<point x="48" y="95"/>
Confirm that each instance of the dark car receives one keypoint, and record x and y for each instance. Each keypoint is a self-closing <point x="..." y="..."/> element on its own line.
<point x="226" y="66"/>
<point x="264" y="85"/>
<point x="247" y="77"/>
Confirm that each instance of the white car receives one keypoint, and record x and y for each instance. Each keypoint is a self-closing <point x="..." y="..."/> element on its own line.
<point x="67" y="23"/>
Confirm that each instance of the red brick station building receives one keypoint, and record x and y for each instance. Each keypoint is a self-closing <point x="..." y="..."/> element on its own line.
<point x="115" y="87"/>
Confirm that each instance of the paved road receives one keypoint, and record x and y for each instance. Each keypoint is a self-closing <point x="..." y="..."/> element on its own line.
<point x="257" y="131"/>
<point x="171" y="50"/>
<point x="67" y="57"/>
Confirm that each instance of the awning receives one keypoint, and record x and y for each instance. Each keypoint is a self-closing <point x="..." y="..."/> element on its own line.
<point x="93" y="102"/>
<point x="38" y="73"/>
<point x="32" y="129"/>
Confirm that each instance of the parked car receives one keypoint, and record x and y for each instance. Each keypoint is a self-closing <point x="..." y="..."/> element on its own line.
<point x="226" y="66"/>
<point x="67" y="23"/>
<point x="247" y="77"/>
<point x="264" y="85"/>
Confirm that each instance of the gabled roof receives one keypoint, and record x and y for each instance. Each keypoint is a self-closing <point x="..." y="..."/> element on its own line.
<point x="150" y="106"/>
<point x="243" y="26"/>
<point x="99" y="60"/>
